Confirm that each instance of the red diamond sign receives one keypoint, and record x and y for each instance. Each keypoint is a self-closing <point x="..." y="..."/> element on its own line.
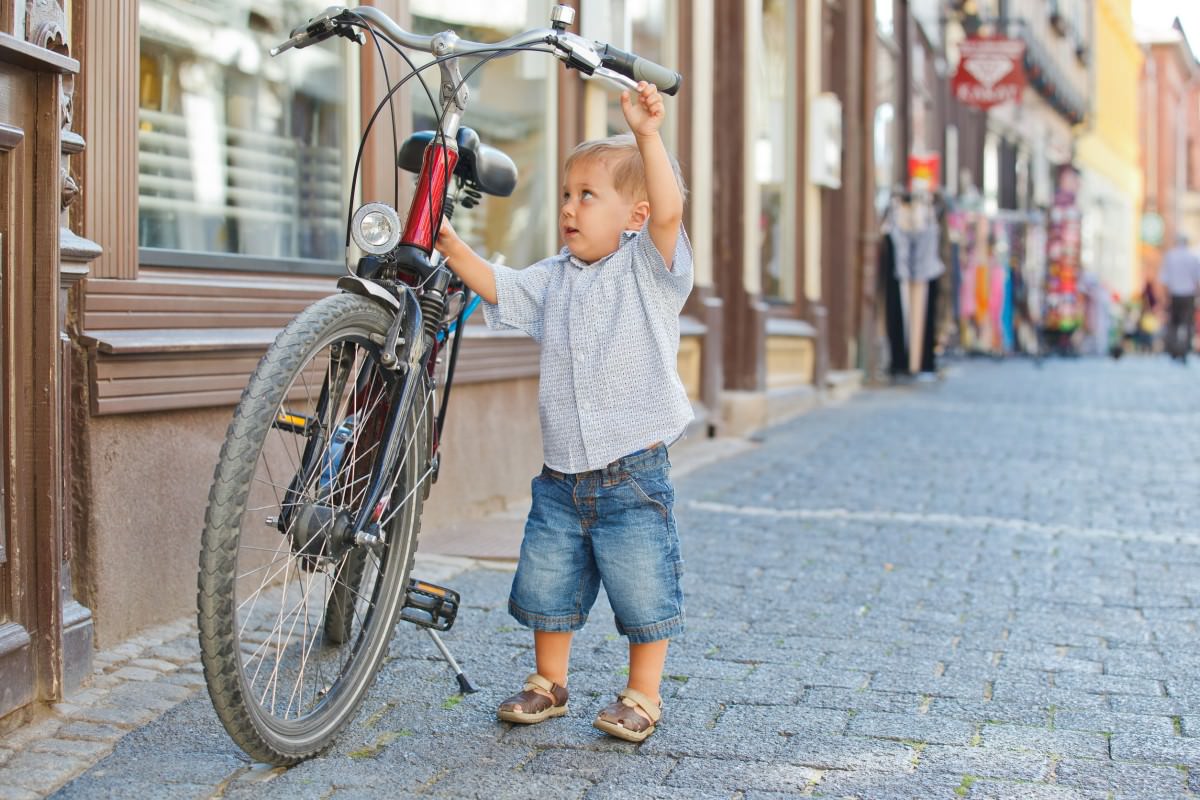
<point x="990" y="71"/>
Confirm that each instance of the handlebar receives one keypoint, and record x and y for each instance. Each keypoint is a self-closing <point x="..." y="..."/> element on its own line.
<point x="590" y="58"/>
<point x="636" y="68"/>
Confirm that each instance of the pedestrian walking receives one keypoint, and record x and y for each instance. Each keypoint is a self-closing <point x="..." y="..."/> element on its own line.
<point x="1181" y="278"/>
<point x="606" y="312"/>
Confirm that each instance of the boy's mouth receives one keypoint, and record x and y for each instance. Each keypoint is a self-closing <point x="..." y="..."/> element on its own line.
<point x="569" y="231"/>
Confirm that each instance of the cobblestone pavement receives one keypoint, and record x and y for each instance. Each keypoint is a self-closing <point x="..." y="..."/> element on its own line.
<point x="986" y="588"/>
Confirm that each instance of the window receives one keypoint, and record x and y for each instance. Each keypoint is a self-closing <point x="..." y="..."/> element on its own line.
<point x="642" y="27"/>
<point x="512" y="108"/>
<point x="240" y="154"/>
<point x="771" y="148"/>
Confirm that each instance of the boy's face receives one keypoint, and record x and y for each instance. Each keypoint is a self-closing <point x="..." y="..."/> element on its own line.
<point x="593" y="213"/>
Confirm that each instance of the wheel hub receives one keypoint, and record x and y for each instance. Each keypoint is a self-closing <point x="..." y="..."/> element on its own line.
<point x="321" y="532"/>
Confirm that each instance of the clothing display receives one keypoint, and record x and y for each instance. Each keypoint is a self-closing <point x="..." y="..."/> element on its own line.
<point x="1000" y="264"/>
<point x="909" y="265"/>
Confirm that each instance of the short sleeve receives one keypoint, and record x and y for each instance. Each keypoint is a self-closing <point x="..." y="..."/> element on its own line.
<point x="676" y="282"/>
<point x="520" y="297"/>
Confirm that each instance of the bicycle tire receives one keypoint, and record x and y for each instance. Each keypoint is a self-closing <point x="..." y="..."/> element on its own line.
<point x="302" y="554"/>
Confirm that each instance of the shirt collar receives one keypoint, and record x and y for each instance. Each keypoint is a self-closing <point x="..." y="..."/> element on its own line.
<point x="626" y="236"/>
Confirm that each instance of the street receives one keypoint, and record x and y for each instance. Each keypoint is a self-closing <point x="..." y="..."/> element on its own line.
<point x="985" y="588"/>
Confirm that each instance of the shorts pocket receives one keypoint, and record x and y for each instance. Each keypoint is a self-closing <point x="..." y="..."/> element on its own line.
<point x="652" y="490"/>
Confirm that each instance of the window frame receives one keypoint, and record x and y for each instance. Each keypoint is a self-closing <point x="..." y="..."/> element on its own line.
<point x="353" y="122"/>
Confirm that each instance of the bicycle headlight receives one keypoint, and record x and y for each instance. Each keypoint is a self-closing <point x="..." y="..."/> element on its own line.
<point x="376" y="228"/>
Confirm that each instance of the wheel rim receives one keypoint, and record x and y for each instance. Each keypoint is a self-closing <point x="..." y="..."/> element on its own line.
<point x="310" y="611"/>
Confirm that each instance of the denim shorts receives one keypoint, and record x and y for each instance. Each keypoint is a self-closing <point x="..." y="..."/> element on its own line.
<point x="612" y="526"/>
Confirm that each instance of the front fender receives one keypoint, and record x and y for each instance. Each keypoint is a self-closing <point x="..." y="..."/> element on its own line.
<point x="370" y="289"/>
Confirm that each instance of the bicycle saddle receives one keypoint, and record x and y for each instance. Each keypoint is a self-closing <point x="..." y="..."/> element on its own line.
<point x="485" y="167"/>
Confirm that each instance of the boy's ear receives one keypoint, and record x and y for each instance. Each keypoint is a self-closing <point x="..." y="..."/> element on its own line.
<point x="639" y="215"/>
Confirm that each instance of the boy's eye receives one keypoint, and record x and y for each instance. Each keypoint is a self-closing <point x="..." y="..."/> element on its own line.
<point x="585" y="194"/>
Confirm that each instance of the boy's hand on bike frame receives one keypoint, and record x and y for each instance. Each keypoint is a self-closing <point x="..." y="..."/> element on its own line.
<point x="645" y="114"/>
<point x="466" y="263"/>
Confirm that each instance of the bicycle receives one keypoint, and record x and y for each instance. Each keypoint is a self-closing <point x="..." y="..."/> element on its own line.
<point x="315" y="508"/>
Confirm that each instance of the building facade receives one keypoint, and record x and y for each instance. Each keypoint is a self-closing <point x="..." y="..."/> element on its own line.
<point x="1169" y="93"/>
<point x="1107" y="153"/>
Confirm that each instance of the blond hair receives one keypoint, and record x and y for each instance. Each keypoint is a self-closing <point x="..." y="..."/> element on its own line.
<point x="620" y="154"/>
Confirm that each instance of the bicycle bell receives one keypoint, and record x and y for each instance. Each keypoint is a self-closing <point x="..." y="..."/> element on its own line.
<point x="562" y="17"/>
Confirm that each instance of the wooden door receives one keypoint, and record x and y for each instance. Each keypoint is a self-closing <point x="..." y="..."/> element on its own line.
<point x="18" y="613"/>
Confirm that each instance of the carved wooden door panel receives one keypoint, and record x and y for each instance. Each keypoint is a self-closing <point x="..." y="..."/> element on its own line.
<point x="18" y="666"/>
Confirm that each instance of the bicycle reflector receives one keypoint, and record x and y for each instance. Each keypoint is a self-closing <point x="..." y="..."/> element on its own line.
<point x="376" y="228"/>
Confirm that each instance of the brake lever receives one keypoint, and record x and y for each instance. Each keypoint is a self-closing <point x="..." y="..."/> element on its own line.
<point x="318" y="29"/>
<point x="611" y="76"/>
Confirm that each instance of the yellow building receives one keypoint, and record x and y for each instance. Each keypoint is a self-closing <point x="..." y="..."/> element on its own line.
<point x="1107" y="151"/>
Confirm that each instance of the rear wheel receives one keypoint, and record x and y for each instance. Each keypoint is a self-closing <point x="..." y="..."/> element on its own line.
<point x="295" y="612"/>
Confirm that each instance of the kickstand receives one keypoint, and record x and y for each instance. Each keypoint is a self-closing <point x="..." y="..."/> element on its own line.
<point x="464" y="685"/>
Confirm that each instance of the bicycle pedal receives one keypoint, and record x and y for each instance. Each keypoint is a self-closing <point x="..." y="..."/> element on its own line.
<point x="429" y="606"/>
<point x="295" y="423"/>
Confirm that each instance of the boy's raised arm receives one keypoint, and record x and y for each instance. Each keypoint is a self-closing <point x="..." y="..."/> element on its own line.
<point x="645" y="115"/>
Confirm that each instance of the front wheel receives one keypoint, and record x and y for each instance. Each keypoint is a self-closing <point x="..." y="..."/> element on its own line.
<point x="295" y="611"/>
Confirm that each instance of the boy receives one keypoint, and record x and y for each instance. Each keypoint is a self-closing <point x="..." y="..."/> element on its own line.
<point x="606" y="312"/>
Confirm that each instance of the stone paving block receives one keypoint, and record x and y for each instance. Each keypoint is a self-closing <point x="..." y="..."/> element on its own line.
<point x="1108" y="684"/>
<point x="1148" y="724"/>
<point x="187" y="680"/>
<point x="123" y="717"/>
<point x="1156" y="749"/>
<point x="152" y="696"/>
<point x="17" y="793"/>
<point x="987" y="789"/>
<point x="748" y="732"/>
<point x="1126" y="780"/>
<point x="44" y="728"/>
<point x="1079" y="744"/>
<point x="128" y="673"/>
<point x="140" y="787"/>
<point x="1164" y="706"/>
<point x="92" y="731"/>
<point x="156" y="664"/>
<point x="862" y="700"/>
<point x="78" y="748"/>
<point x="902" y="727"/>
<point x="966" y="689"/>
<point x="703" y="773"/>
<point x="622" y="792"/>
<point x="602" y="767"/>
<point x="994" y="711"/>
<point x="984" y="762"/>
<point x="40" y="772"/>
<point x="488" y="785"/>
<point x="865" y="784"/>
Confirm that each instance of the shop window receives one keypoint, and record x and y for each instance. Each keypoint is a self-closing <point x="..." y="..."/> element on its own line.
<point x="643" y="27"/>
<point x="512" y="107"/>
<point x="772" y="146"/>
<point x="885" y="22"/>
<point x="243" y="160"/>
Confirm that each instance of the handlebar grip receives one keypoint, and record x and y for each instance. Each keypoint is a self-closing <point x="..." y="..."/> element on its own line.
<point x="636" y="68"/>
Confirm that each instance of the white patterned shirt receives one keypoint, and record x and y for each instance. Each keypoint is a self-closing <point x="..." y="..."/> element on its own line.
<point x="609" y="333"/>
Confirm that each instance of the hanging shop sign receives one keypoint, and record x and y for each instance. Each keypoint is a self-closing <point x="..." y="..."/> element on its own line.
<point x="991" y="71"/>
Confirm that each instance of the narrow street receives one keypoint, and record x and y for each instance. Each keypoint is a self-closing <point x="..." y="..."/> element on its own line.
<point x="983" y="588"/>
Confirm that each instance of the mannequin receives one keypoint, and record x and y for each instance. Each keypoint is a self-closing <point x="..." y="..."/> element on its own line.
<point x="914" y="238"/>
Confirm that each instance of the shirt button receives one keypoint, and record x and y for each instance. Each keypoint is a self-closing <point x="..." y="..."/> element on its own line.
<point x="579" y="357"/>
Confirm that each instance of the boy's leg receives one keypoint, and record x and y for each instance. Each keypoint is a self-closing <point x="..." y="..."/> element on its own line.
<point x="646" y="664"/>
<point x="552" y="650"/>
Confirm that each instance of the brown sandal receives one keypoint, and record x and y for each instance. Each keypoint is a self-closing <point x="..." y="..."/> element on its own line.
<point x="620" y="719"/>
<point x="529" y="706"/>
